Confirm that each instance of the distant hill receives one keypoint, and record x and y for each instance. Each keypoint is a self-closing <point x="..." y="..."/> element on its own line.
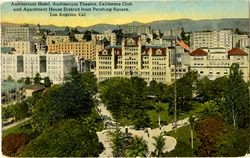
<point x="187" y="24"/>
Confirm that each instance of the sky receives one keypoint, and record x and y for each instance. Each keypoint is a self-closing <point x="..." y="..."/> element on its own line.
<point x="141" y="11"/>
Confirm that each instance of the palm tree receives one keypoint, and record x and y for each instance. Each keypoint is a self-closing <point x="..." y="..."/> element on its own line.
<point x="207" y="109"/>
<point x="159" y="145"/>
<point x="117" y="143"/>
<point x="138" y="147"/>
<point x="192" y="121"/>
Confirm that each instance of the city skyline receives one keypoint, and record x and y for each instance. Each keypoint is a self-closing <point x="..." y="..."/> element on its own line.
<point x="140" y="11"/>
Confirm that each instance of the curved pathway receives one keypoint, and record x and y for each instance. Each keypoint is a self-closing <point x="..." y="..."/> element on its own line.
<point x="148" y="137"/>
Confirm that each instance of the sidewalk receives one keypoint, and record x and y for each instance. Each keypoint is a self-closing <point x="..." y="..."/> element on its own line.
<point x="16" y="123"/>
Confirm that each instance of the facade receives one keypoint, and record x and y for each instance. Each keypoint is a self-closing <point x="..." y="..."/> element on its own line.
<point x="22" y="32"/>
<point x="84" y="50"/>
<point x="132" y="59"/>
<point x="111" y="37"/>
<point x="136" y="30"/>
<point x="54" y="39"/>
<point x="240" y="41"/>
<point x="210" y="39"/>
<point x="23" y="47"/>
<point x="216" y="62"/>
<point x="18" y="66"/>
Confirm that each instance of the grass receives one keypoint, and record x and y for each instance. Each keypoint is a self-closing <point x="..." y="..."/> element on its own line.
<point x="183" y="147"/>
<point x="24" y="127"/>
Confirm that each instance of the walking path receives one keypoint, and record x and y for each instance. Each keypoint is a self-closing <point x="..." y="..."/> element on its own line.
<point x="104" y="138"/>
<point x="16" y="123"/>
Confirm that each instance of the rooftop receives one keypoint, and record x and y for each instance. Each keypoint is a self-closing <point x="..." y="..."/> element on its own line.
<point x="10" y="85"/>
<point x="237" y="52"/>
<point x="198" y="52"/>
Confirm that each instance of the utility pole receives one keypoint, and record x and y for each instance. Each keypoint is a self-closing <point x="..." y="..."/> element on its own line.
<point x="175" y="88"/>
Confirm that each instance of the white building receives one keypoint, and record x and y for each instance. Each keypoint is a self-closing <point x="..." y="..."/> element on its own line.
<point x="111" y="37"/>
<point x="79" y="37"/>
<point x="216" y="62"/>
<point x="133" y="59"/>
<point x="22" y="32"/>
<point x="240" y="41"/>
<point x="136" y="29"/>
<point x="23" y="47"/>
<point x="18" y="66"/>
<point x="222" y="38"/>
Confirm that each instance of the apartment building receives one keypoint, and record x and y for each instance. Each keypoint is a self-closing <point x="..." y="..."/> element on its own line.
<point x="240" y="41"/>
<point x="136" y="29"/>
<point x="18" y="66"/>
<point x="216" y="62"/>
<point x="22" y="32"/>
<point x="23" y="47"/>
<point x="132" y="59"/>
<point x="84" y="50"/>
<point x="111" y="37"/>
<point x="210" y="39"/>
<point x="54" y="39"/>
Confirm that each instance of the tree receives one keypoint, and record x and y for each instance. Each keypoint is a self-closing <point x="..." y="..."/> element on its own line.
<point x="20" y="110"/>
<point x="37" y="79"/>
<point x="138" y="147"/>
<point x="210" y="130"/>
<point x="27" y="81"/>
<point x="12" y="142"/>
<point x="159" y="145"/>
<point x="68" y="138"/>
<point x="235" y="143"/>
<point x="9" y="78"/>
<point x="236" y="107"/>
<point x="191" y="120"/>
<point x="90" y="82"/>
<point x="207" y="109"/>
<point x="119" y="143"/>
<point x="47" y="82"/>
<point x="87" y="35"/>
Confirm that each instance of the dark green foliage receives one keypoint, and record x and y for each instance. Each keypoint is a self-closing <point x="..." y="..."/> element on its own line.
<point x="235" y="143"/>
<point x="90" y="82"/>
<point x="124" y="97"/>
<point x="70" y="100"/>
<point x="236" y="108"/>
<point x="159" y="145"/>
<point x="47" y="82"/>
<point x="68" y="138"/>
<point x="138" y="147"/>
<point x="12" y="142"/>
<point x="27" y="81"/>
<point x="20" y="110"/>
<point x="37" y="79"/>
<point x="7" y="112"/>
<point x="87" y="35"/>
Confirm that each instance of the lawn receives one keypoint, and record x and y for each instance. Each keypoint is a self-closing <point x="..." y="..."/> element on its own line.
<point x="21" y="128"/>
<point x="183" y="147"/>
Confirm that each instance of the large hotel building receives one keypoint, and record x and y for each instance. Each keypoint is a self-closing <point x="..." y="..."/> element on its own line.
<point x="133" y="59"/>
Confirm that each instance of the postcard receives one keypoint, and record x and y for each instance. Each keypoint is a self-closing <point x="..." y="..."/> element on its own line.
<point x="124" y="78"/>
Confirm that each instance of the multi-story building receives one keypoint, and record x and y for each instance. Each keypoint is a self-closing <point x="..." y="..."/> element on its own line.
<point x="18" y="66"/>
<point x="22" y="32"/>
<point x="23" y="47"/>
<point x="133" y="59"/>
<point x="54" y="39"/>
<point x="216" y="62"/>
<point x="240" y="41"/>
<point x="210" y="39"/>
<point x="111" y="37"/>
<point x="136" y="29"/>
<point x="84" y="50"/>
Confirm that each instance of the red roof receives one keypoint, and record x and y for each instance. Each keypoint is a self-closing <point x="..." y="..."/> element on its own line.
<point x="237" y="52"/>
<point x="198" y="52"/>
